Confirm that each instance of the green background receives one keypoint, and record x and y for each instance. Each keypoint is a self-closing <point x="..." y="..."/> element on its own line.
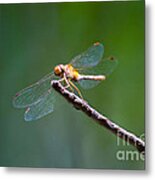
<point x="36" y="37"/>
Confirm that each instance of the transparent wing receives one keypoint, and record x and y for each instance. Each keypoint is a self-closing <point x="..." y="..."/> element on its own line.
<point x="33" y="94"/>
<point x="105" y="67"/>
<point x="88" y="84"/>
<point x="42" y="108"/>
<point x="89" y="58"/>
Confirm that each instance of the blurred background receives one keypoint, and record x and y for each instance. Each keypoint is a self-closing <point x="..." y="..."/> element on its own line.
<point x="36" y="37"/>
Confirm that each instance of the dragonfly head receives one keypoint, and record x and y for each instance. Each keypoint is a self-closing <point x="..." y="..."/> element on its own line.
<point x="58" y="70"/>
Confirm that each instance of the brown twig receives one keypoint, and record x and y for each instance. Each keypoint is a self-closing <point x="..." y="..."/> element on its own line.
<point x="82" y="105"/>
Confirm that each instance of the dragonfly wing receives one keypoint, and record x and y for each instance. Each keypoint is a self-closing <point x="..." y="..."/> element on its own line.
<point x="42" y="108"/>
<point x="89" y="58"/>
<point x="33" y="94"/>
<point x="105" y="67"/>
<point x="88" y="84"/>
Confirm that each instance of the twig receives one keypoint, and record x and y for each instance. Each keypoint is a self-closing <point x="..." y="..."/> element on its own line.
<point x="82" y="105"/>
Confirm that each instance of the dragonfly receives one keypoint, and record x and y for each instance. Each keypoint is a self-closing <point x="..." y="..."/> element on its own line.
<point x="87" y="69"/>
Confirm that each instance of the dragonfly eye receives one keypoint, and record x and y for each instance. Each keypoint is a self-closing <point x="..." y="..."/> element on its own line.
<point x="58" y="70"/>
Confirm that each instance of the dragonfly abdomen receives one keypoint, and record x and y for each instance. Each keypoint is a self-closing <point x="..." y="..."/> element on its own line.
<point x="92" y="77"/>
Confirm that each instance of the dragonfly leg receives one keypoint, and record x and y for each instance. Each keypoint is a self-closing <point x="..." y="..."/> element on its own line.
<point x="75" y="87"/>
<point x="68" y="84"/>
<point x="61" y="80"/>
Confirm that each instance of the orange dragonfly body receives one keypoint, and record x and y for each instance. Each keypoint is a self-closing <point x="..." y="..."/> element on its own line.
<point x="68" y="74"/>
<point x="86" y="69"/>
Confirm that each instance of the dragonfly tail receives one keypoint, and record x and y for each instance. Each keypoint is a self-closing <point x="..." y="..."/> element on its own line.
<point x="92" y="77"/>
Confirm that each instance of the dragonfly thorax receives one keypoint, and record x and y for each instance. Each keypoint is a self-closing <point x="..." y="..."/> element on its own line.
<point x="68" y="70"/>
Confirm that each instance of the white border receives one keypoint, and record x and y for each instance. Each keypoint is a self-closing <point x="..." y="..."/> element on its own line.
<point x="39" y="174"/>
<point x="43" y="1"/>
